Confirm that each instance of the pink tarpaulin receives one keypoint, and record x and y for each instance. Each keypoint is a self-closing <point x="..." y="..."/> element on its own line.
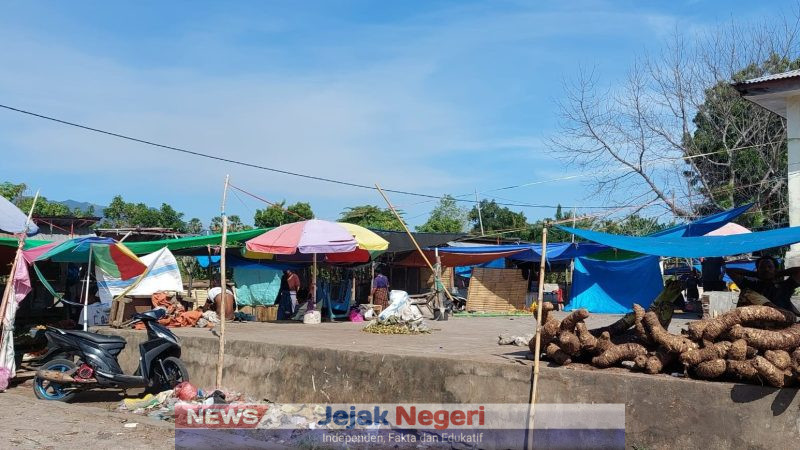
<point x="22" y="281"/>
<point x="309" y="236"/>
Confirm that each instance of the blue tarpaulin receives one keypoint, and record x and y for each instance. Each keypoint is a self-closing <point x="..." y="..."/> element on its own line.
<point x="606" y="286"/>
<point x="256" y="286"/>
<point x="236" y="261"/>
<point x="694" y="247"/>
<point x="701" y="227"/>
<point x="559" y="251"/>
<point x="466" y="271"/>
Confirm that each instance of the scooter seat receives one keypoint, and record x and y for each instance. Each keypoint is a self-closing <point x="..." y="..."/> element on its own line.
<point x="97" y="338"/>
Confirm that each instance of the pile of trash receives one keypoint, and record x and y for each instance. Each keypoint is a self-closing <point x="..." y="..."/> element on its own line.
<point x="162" y="405"/>
<point x="401" y="317"/>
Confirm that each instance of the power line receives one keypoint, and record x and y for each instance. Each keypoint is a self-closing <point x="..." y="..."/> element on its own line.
<point x="252" y="165"/>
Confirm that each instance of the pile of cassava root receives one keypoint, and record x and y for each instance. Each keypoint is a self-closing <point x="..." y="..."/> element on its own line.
<point x="756" y="344"/>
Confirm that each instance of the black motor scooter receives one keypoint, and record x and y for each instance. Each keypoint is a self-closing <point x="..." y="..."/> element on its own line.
<point x="92" y="361"/>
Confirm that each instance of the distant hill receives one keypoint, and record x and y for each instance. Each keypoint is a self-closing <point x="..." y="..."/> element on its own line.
<point x="83" y="206"/>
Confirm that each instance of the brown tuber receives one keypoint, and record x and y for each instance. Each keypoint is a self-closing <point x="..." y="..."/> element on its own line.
<point x="588" y="341"/>
<point x="785" y="339"/>
<point x="697" y="328"/>
<point x="738" y="350"/>
<point x="549" y="332"/>
<point x="714" y="351"/>
<point x="779" y="358"/>
<point x="710" y="369"/>
<point x="796" y="359"/>
<point x="555" y="354"/>
<point x="604" y="342"/>
<point x="657" y="362"/>
<point x="569" y="322"/>
<point x="569" y="343"/>
<point x="741" y="369"/>
<point x="769" y="372"/>
<point x="715" y="327"/>
<point x="546" y="308"/>
<point x="617" y="353"/>
<point x="641" y="332"/>
<point x="671" y="342"/>
<point x="640" y="362"/>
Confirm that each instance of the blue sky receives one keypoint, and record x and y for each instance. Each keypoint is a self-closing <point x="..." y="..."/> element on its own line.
<point x="431" y="96"/>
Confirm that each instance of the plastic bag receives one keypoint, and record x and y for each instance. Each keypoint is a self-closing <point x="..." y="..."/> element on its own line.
<point x="397" y="301"/>
<point x="312" y="317"/>
<point x="355" y="316"/>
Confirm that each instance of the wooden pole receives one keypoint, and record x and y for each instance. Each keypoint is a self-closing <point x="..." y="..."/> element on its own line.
<point x="86" y="292"/>
<point x="17" y="255"/>
<point x="353" y="289"/>
<point x="396" y="214"/>
<point x="223" y="286"/>
<point x="538" y="346"/>
<point x="313" y="290"/>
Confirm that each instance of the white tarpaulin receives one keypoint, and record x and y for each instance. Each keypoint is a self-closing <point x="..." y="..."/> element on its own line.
<point x="162" y="274"/>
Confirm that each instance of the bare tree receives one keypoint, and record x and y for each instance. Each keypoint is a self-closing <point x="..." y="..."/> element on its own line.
<point x="677" y="133"/>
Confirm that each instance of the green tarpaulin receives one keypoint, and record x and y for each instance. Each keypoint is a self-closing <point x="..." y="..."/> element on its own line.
<point x="142" y="248"/>
<point x="29" y="243"/>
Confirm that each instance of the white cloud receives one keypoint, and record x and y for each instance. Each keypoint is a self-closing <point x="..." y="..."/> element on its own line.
<point x="377" y="106"/>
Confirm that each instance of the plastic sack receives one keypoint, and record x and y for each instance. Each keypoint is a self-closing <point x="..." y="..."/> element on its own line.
<point x="312" y="317"/>
<point x="398" y="300"/>
<point x="355" y="316"/>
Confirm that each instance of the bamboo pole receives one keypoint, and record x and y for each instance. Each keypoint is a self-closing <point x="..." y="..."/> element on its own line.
<point x="538" y="346"/>
<point x="223" y="286"/>
<point x="396" y="214"/>
<point x="17" y="255"/>
<point x="86" y="292"/>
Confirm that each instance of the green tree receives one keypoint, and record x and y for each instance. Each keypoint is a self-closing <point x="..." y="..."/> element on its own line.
<point x="12" y="191"/>
<point x="272" y="216"/>
<point x="370" y="216"/>
<point x="216" y="224"/>
<point x="496" y="218"/>
<point x="120" y="214"/>
<point x="169" y="218"/>
<point x="235" y="223"/>
<point x="738" y="151"/>
<point x="279" y="214"/>
<point x="194" y="226"/>
<point x="299" y="211"/>
<point x="634" y="225"/>
<point x="44" y="207"/>
<point x="446" y="217"/>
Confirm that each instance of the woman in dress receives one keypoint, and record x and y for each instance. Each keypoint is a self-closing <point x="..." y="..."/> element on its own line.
<point x="380" y="289"/>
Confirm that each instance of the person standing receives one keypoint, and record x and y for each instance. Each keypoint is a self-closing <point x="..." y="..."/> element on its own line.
<point x="293" y="285"/>
<point x="380" y="289"/>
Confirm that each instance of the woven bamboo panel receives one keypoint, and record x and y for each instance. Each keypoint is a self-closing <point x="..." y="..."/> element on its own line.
<point x="426" y="277"/>
<point x="496" y="290"/>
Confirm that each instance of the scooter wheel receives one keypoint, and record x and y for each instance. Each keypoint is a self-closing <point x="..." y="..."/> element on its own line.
<point x="176" y="373"/>
<point x="49" y="390"/>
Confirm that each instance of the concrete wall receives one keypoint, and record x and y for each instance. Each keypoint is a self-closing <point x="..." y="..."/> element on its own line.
<point x="661" y="411"/>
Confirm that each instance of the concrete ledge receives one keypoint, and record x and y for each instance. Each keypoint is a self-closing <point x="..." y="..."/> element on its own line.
<point x="661" y="411"/>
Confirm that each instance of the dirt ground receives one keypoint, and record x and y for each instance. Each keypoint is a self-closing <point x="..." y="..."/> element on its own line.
<point x="90" y="421"/>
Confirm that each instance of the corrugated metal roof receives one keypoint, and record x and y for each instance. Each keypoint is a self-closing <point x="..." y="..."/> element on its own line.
<point x="777" y="76"/>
